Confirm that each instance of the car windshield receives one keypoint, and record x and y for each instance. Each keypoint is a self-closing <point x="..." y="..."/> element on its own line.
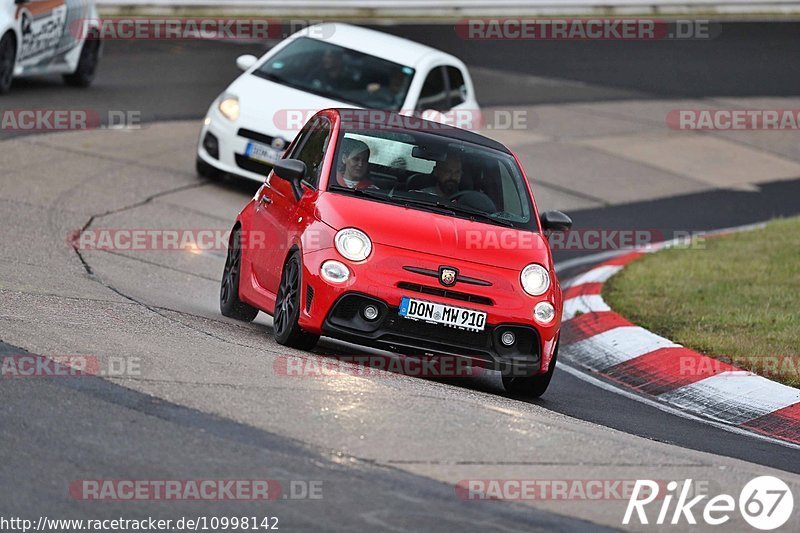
<point x="431" y="172"/>
<point x="339" y="73"/>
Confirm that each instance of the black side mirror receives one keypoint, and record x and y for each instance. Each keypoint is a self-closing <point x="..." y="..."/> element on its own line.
<point x="293" y="171"/>
<point x="555" y="221"/>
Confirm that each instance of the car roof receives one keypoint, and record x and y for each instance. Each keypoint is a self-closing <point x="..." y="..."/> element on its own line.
<point x="388" y="120"/>
<point x="395" y="49"/>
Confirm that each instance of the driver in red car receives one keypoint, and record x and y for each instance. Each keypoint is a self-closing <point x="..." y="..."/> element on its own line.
<point x="448" y="176"/>
<point x="353" y="171"/>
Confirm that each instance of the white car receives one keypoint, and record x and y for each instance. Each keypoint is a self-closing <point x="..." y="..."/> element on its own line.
<point x="48" y="37"/>
<point x="250" y="124"/>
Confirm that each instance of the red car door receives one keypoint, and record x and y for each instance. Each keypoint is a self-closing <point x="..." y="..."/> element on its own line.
<point x="278" y="213"/>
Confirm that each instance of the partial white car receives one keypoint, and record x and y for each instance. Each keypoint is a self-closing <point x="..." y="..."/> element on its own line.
<point x="329" y="65"/>
<point x="48" y="37"/>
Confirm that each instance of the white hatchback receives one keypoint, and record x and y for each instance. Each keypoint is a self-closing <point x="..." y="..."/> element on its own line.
<point x="48" y="37"/>
<point x="250" y="124"/>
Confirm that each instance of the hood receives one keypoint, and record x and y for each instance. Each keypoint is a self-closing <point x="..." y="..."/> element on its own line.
<point x="440" y="235"/>
<point x="274" y="109"/>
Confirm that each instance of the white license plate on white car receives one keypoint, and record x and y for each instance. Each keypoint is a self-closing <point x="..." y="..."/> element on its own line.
<point x="446" y="315"/>
<point x="263" y="153"/>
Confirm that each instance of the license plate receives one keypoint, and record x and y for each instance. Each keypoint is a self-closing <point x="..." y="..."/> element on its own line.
<point x="263" y="153"/>
<point x="446" y="315"/>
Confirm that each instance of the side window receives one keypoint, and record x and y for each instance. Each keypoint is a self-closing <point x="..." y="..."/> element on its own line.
<point x="434" y="92"/>
<point x="457" y="87"/>
<point x="297" y="143"/>
<point x="312" y="151"/>
<point x="511" y="199"/>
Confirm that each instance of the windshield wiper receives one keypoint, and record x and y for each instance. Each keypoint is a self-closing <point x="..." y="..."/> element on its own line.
<point x="456" y="209"/>
<point x="331" y="95"/>
<point x="472" y="213"/>
<point x="436" y="207"/>
<point x="371" y="193"/>
<point x="271" y="77"/>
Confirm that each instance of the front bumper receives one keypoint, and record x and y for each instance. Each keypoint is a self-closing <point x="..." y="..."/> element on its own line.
<point x="231" y="141"/>
<point x="335" y="309"/>
<point x="393" y="332"/>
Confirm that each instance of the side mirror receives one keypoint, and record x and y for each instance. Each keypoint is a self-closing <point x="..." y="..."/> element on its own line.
<point x="555" y="221"/>
<point x="246" y="61"/>
<point x="293" y="171"/>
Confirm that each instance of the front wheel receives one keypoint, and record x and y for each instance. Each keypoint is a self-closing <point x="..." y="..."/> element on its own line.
<point x="8" y="56"/>
<point x="531" y="386"/>
<point x="87" y="64"/>
<point x="287" y="308"/>
<point x="229" y="303"/>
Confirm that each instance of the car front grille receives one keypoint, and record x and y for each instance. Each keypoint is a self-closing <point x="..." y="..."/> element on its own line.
<point x="405" y="327"/>
<point x="242" y="161"/>
<point x="445" y="293"/>
<point x="255" y="136"/>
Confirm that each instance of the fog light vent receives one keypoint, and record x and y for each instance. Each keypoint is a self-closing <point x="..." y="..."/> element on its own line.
<point x="211" y="145"/>
<point x="370" y="312"/>
<point x="507" y="338"/>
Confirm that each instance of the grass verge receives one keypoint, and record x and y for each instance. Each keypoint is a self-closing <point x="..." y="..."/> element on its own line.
<point x="735" y="298"/>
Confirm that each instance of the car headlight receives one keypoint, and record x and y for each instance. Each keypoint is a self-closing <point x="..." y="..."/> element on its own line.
<point x="535" y="279"/>
<point x="544" y="312"/>
<point x="334" y="271"/>
<point x="353" y="244"/>
<point x="229" y="106"/>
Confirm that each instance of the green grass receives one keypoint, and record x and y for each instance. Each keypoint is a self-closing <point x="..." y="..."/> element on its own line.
<point x="735" y="298"/>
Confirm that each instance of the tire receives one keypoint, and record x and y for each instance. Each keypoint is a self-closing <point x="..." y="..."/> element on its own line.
<point x="8" y="57"/>
<point x="287" y="308"/>
<point x="87" y="64"/>
<point x="229" y="303"/>
<point x="531" y="386"/>
<point x="204" y="170"/>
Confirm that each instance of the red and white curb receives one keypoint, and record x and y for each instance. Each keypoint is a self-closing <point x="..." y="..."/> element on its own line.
<point x="600" y="341"/>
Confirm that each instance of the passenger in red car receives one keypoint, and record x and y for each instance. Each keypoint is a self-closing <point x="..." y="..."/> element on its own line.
<point x="353" y="170"/>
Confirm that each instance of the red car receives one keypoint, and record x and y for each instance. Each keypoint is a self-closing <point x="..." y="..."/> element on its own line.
<point x="408" y="235"/>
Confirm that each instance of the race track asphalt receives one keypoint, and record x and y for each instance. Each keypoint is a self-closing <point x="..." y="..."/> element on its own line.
<point x="201" y="412"/>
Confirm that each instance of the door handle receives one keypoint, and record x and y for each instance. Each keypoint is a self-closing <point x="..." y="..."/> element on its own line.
<point x="265" y="200"/>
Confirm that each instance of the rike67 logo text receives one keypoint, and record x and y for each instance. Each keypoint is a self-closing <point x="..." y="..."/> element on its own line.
<point x="765" y="503"/>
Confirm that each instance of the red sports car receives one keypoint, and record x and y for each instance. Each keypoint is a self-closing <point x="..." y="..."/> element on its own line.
<point x="408" y="235"/>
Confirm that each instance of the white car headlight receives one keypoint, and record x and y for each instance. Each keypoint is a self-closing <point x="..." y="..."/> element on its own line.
<point x="353" y="244"/>
<point x="535" y="279"/>
<point x="229" y="106"/>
